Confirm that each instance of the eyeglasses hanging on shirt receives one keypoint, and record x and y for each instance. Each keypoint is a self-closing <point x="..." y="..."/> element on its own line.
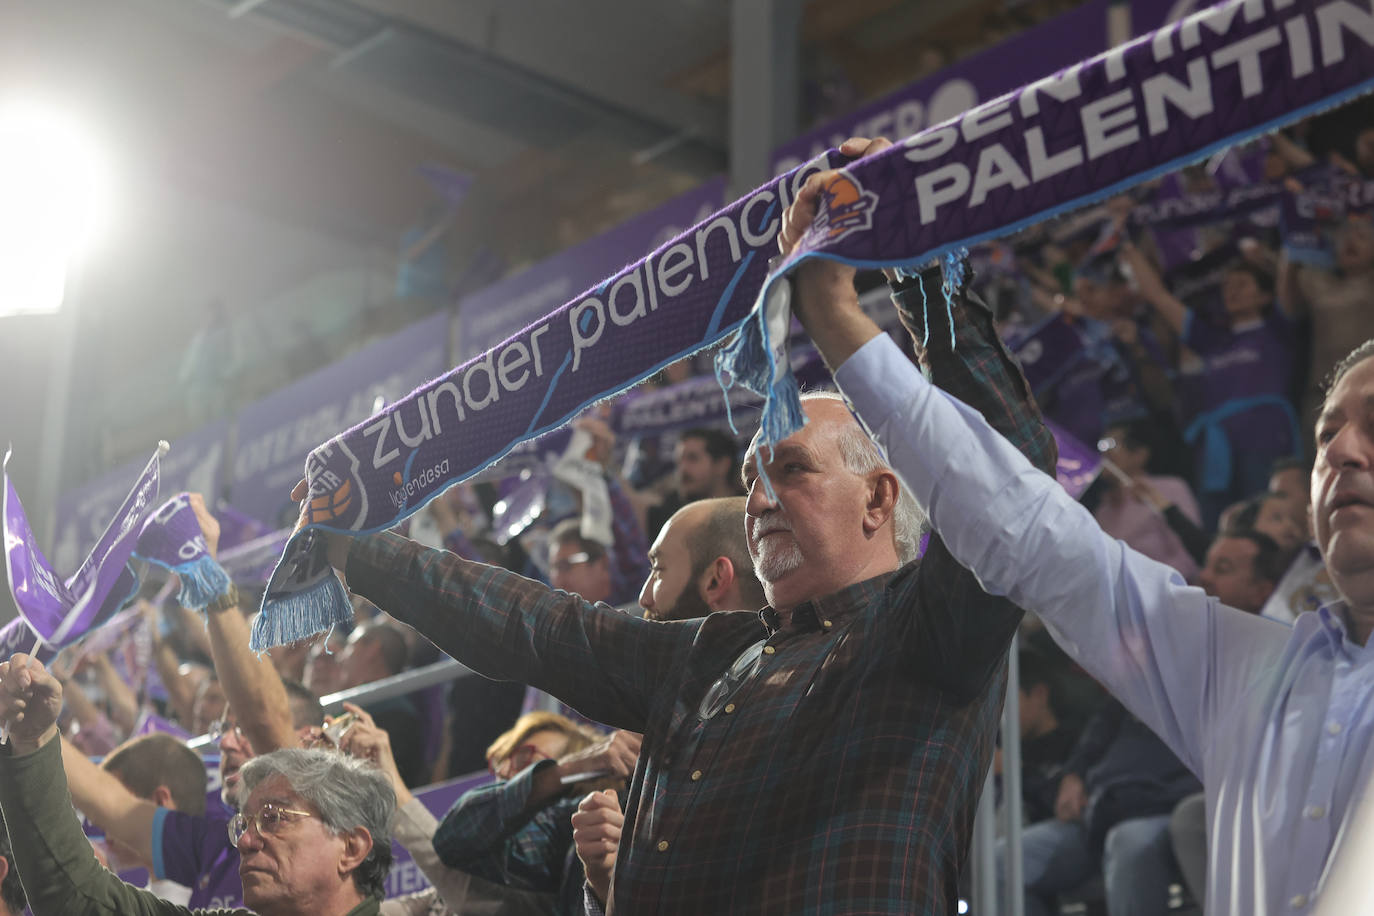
<point x="744" y="667"/>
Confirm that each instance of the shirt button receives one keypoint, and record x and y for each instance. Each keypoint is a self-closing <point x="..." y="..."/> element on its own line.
<point x="662" y="845"/>
<point x="1315" y="812"/>
<point x="1298" y="902"/>
<point x="768" y="650"/>
<point x="696" y="774"/>
<point x="1333" y="728"/>
<point x="729" y="708"/>
<point x="827" y="624"/>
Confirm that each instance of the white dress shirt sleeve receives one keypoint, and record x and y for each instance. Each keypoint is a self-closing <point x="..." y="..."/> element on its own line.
<point x="1173" y="656"/>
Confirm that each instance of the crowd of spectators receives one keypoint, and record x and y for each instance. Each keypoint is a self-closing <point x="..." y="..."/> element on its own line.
<point x="1188" y="352"/>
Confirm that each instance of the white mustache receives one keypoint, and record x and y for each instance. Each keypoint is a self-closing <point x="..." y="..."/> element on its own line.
<point x="770" y="523"/>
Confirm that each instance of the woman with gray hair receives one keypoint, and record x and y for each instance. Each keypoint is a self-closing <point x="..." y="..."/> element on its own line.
<point x="313" y="837"/>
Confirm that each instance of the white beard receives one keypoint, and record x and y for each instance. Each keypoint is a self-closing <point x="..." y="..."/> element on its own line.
<point x="776" y="557"/>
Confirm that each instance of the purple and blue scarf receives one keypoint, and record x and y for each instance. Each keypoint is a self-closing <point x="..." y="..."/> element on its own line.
<point x="1179" y="95"/>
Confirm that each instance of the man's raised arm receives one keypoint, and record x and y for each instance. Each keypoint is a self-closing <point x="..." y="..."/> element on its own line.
<point x="251" y="682"/>
<point x="605" y="664"/>
<point x="1134" y="624"/>
<point x="960" y="635"/>
<point x="54" y="861"/>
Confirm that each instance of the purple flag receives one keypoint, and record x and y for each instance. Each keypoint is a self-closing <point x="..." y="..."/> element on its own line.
<point x="18" y="636"/>
<point x="1216" y="78"/>
<point x="62" y="611"/>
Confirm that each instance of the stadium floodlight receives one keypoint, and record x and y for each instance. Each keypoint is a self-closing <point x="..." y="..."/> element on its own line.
<point x="53" y="201"/>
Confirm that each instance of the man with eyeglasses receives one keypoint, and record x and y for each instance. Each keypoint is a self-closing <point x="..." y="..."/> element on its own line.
<point x="823" y="755"/>
<point x="313" y="836"/>
<point x="578" y="564"/>
<point x="193" y="849"/>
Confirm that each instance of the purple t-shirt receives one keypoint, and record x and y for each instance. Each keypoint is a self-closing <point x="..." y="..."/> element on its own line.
<point x="195" y="851"/>
<point x="1251" y="362"/>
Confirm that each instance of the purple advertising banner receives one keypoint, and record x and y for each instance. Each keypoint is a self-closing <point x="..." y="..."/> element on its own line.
<point x="1030" y="55"/>
<point x="276" y="433"/>
<point x="491" y="315"/>
<point x="194" y="463"/>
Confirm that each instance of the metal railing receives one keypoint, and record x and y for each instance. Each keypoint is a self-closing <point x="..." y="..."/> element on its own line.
<point x="441" y="672"/>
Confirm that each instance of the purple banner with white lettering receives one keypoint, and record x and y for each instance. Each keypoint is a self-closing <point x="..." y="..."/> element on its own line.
<point x="1311" y="218"/>
<point x="61" y="611"/>
<point x="1030" y="55"/>
<point x="491" y="315"/>
<point x="276" y="433"/>
<point x="194" y="462"/>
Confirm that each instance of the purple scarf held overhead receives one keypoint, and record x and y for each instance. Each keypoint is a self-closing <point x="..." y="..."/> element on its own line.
<point x="1216" y="78"/>
<point x="171" y="538"/>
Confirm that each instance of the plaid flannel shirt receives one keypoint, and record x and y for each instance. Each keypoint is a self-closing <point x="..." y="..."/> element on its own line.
<point x="491" y="833"/>
<point x="843" y="775"/>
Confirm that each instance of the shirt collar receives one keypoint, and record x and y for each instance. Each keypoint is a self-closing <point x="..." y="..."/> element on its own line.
<point x="1332" y="618"/>
<point x="824" y="613"/>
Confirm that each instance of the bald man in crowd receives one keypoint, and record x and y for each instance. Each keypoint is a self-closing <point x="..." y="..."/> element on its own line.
<point x="700" y="564"/>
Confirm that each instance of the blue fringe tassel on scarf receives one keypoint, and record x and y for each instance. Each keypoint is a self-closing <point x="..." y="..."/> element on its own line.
<point x="757" y="356"/>
<point x="316" y="605"/>
<point x="202" y="581"/>
<point x="757" y="359"/>
<point x="317" y="608"/>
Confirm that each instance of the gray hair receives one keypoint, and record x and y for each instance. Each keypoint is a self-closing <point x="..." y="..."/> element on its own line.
<point x="861" y="456"/>
<point x="348" y="793"/>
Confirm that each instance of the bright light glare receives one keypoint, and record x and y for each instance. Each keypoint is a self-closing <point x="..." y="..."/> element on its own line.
<point x="54" y="195"/>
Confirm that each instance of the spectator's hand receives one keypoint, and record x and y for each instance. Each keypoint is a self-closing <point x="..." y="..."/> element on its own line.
<point x="596" y="836"/>
<point x="823" y="295"/>
<point x="336" y="545"/>
<point x="30" y="702"/>
<point x="1073" y="798"/>
<point x="615" y="755"/>
<point x="365" y="740"/>
<point x="209" y="525"/>
<point x="818" y="280"/>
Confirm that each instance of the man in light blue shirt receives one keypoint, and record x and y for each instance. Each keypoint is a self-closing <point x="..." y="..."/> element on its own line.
<point x="1277" y="721"/>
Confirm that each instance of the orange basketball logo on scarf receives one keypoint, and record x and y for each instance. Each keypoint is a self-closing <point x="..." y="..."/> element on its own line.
<point x="845" y="206"/>
<point x="333" y="497"/>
